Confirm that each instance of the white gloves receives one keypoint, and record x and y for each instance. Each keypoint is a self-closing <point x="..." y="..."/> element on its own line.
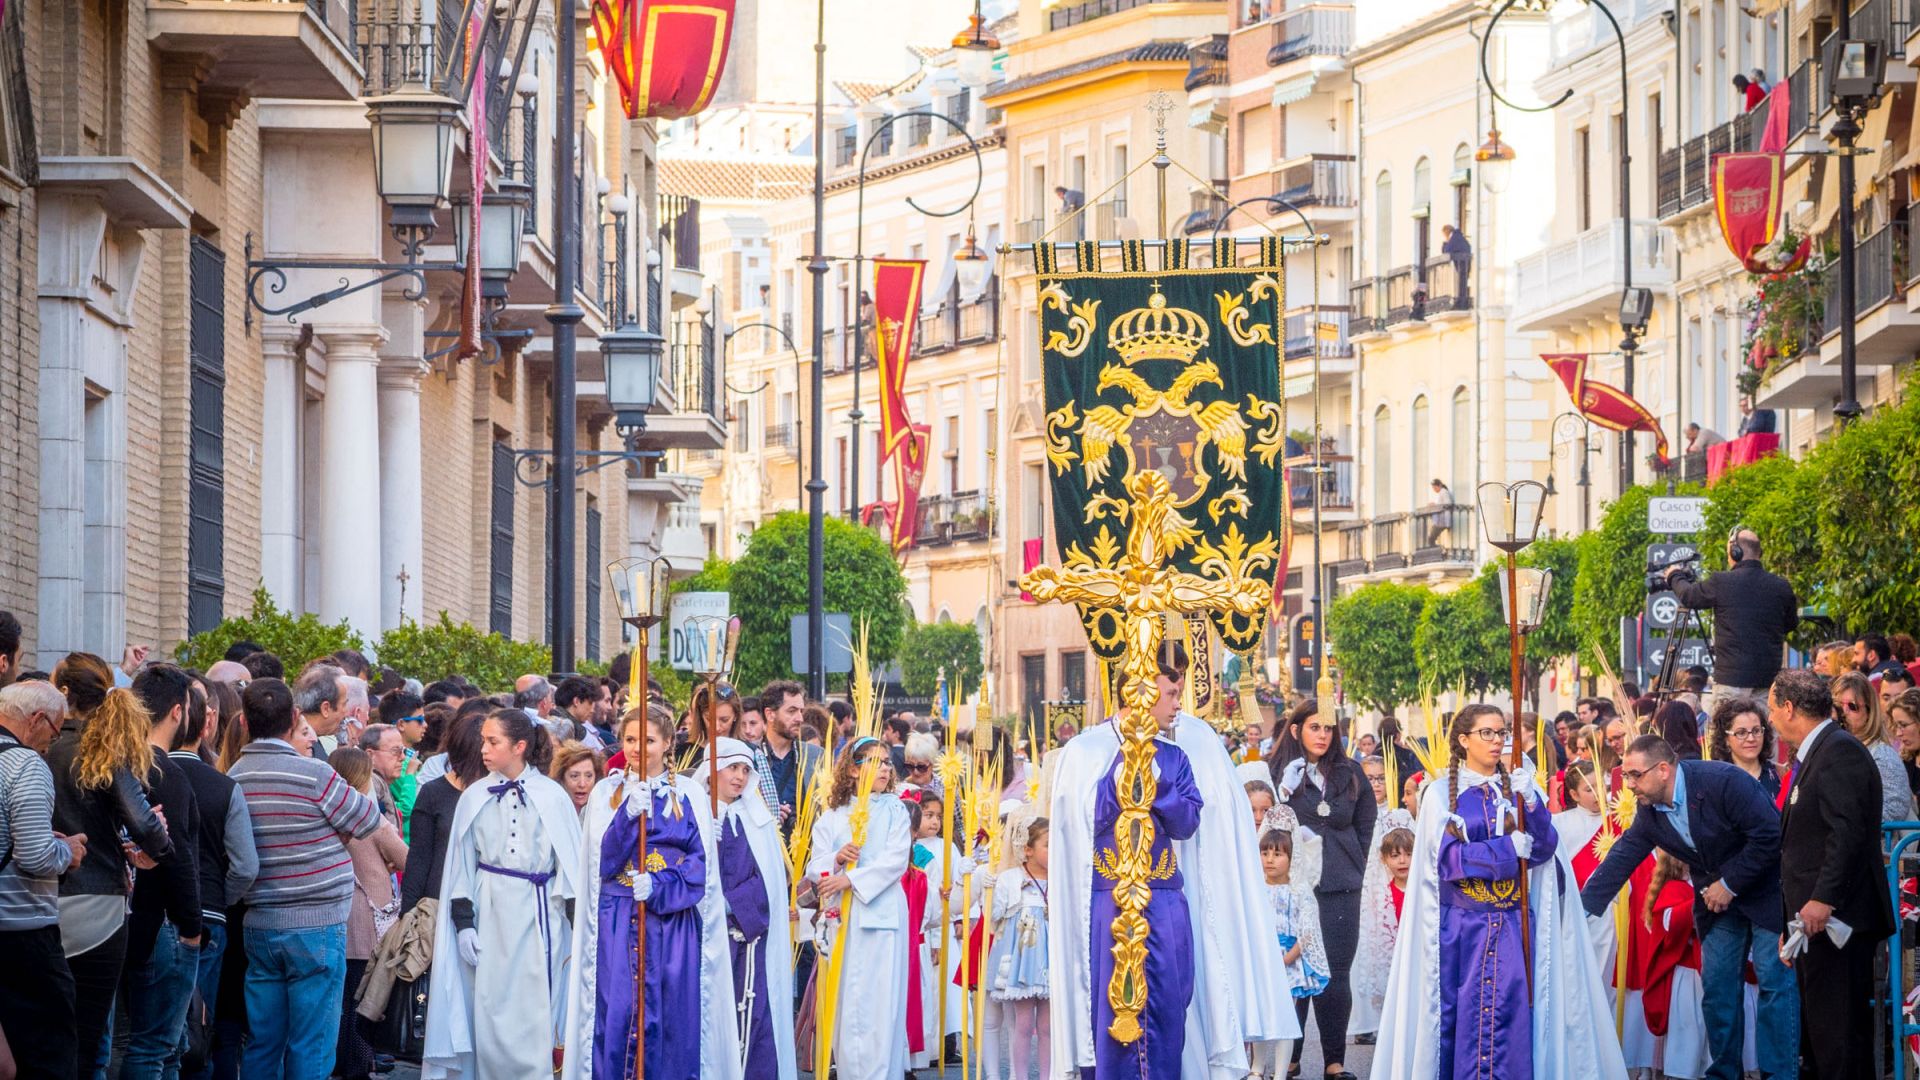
<point x="469" y="940"/>
<point x="1527" y="785"/>
<point x="1522" y="845"/>
<point x="642" y="888"/>
<point x="1292" y="776"/>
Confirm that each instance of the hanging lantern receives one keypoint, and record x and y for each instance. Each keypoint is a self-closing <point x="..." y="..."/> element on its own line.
<point x="666" y="56"/>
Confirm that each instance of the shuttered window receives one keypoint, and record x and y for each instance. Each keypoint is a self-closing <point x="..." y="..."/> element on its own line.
<point x="500" y="579"/>
<point x="206" y="471"/>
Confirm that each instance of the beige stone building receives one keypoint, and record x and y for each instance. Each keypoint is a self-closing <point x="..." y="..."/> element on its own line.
<point x="189" y="429"/>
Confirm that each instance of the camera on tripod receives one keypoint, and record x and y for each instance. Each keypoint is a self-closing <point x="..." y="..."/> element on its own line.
<point x="1657" y="579"/>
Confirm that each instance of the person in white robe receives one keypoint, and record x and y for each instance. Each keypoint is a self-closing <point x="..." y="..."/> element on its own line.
<point x="1236" y="998"/>
<point x="1573" y="1035"/>
<point x="870" y="1012"/>
<point x="495" y="1006"/>
<point x="719" y="1038"/>
<point x="747" y="814"/>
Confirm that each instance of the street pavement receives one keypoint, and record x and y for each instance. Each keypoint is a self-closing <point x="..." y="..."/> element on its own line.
<point x="1359" y="1059"/>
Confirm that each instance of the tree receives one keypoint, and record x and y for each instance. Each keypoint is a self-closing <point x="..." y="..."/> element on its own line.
<point x="295" y="639"/>
<point x="1611" y="581"/>
<point x="769" y="587"/>
<point x="928" y="648"/>
<point x="1461" y="637"/>
<point x="1371" y="631"/>
<point x="442" y="648"/>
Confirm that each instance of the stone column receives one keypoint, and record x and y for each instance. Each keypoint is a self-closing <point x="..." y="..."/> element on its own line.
<point x="71" y="230"/>
<point x="348" y="494"/>
<point x="401" y="505"/>
<point x="280" y="451"/>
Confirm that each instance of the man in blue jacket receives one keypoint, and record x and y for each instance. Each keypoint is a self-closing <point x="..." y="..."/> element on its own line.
<point x="1718" y="820"/>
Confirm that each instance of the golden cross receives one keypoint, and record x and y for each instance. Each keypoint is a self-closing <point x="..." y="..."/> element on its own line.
<point x="1160" y="103"/>
<point x="1145" y="590"/>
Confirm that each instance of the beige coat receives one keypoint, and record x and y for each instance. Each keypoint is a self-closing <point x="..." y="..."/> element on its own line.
<point x="406" y="953"/>
<point x="376" y="859"/>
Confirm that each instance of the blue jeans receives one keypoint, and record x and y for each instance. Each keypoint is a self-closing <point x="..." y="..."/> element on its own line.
<point x="293" y="1001"/>
<point x="213" y="948"/>
<point x="157" y="995"/>
<point x="1726" y="941"/>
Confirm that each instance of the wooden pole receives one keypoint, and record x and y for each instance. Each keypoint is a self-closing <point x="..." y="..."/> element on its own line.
<point x="713" y="762"/>
<point x="637" y="688"/>
<point x="1515" y="760"/>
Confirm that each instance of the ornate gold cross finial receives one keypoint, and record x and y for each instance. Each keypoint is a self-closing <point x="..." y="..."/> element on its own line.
<point x="1160" y="103"/>
<point x="1145" y="589"/>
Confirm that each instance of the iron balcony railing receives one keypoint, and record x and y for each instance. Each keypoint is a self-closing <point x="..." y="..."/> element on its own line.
<point x="1442" y="534"/>
<point x="1683" y="177"/>
<point x="919" y="130"/>
<point x="1389" y="542"/>
<point x="693" y="368"/>
<point x="781" y="436"/>
<point x="1364" y="299"/>
<point x="1399" y="286"/>
<point x="1301" y="336"/>
<point x="1311" y="30"/>
<point x="1879" y="272"/>
<point x="1449" y="286"/>
<point x="952" y="326"/>
<point x="1107" y="216"/>
<point x="952" y="519"/>
<point x="1336" y="483"/>
<point x="1088" y="10"/>
<point x="1316" y="180"/>
<point x="1207" y="64"/>
<point x="1351" y="551"/>
<point x="393" y="53"/>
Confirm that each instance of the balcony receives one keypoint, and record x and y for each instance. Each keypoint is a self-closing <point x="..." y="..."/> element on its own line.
<point x="1683" y="179"/>
<point x="1442" y="534"/>
<point x="1398" y="291"/>
<point x="1445" y="291"/>
<point x="263" y="48"/>
<point x="952" y="327"/>
<point x="782" y="438"/>
<point x="1366" y="316"/>
<point x="952" y="519"/>
<point x="1885" y="330"/>
<point x="1316" y="180"/>
<point x="1311" y="30"/>
<point x="1349" y="552"/>
<point x="1579" y="280"/>
<point x="1335" y="352"/>
<point x="679" y="217"/>
<point x="1107" y="216"/>
<point x="1207" y="64"/>
<point x="1067" y="15"/>
<point x="689" y="415"/>
<point x="1029" y="231"/>
<point x="395" y="52"/>
<point x="1885" y="21"/>
<point x="1205" y="208"/>
<point x="1336" y="485"/>
<point x="1389" y="542"/>
<point x="682" y="542"/>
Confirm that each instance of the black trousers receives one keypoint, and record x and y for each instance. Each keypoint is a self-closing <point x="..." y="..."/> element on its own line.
<point x="352" y="1054"/>
<point x="36" y="1003"/>
<point x="1340" y="934"/>
<point x="1837" y="1041"/>
<point x="96" y="982"/>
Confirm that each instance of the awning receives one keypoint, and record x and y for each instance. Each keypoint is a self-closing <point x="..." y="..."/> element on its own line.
<point x="1208" y="117"/>
<point x="990" y="242"/>
<point x="1871" y="163"/>
<point x="1292" y="90"/>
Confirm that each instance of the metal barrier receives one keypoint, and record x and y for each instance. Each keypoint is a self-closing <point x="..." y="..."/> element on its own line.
<point x="1899" y="844"/>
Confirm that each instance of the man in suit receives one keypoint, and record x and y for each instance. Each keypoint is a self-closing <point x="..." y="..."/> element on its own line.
<point x="1830" y="870"/>
<point x="1718" y="820"/>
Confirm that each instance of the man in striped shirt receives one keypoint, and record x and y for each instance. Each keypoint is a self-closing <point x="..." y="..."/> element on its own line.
<point x="36" y="989"/>
<point x="296" y="925"/>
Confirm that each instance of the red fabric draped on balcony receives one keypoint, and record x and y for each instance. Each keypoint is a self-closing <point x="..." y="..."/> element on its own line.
<point x="1744" y="450"/>
<point x="665" y="55"/>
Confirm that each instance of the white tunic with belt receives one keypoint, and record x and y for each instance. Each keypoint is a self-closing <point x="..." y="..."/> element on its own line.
<point x="870" y="1041"/>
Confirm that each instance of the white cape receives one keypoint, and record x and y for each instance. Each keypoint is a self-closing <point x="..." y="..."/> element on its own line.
<point x="1577" y="829"/>
<point x="763" y="837"/>
<point x="1572" y="1027"/>
<point x="1236" y="997"/>
<point x="448" y="1046"/>
<point x="719" y="1038"/>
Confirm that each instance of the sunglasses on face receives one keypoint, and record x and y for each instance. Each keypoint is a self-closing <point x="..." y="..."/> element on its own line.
<point x="919" y="766"/>
<point x="1852" y="706"/>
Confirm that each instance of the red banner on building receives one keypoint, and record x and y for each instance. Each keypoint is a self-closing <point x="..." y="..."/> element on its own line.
<point x="1746" y="203"/>
<point x="896" y="313"/>
<point x="665" y="55"/>
<point x="1605" y="405"/>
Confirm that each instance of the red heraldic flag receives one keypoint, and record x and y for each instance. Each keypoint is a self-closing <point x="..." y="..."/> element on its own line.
<point x="665" y="55"/>
<point x="896" y="312"/>
<point x="1605" y="405"/>
<point x="1747" y="192"/>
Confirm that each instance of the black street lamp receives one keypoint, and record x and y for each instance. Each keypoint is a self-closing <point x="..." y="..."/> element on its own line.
<point x="1496" y="157"/>
<point x="1855" y="86"/>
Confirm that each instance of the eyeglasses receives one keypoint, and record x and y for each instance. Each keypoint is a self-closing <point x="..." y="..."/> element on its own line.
<point x="1489" y="734"/>
<point x="1852" y="706"/>
<point x="919" y="766"/>
<point x="1633" y="775"/>
<point x="1746" y="733"/>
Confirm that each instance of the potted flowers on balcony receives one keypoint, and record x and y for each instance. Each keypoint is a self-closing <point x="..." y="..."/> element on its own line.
<point x="1785" y="315"/>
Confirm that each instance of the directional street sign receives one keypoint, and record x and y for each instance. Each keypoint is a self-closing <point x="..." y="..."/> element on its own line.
<point x="1693" y="651"/>
<point x="1667" y="553"/>
<point x="1676" y="514"/>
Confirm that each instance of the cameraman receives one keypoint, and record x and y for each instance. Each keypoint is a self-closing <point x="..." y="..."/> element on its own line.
<point x="1753" y="612"/>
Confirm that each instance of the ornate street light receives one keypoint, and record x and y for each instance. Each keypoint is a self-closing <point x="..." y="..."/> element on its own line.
<point x="1495" y="159"/>
<point x="413" y="133"/>
<point x="1534" y="583"/>
<point x="970" y="265"/>
<point x="632" y="357"/>
<point x="974" y="48"/>
<point x="503" y="222"/>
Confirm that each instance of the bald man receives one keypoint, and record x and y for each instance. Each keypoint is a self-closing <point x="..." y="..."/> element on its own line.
<point x="1753" y="612"/>
<point x="228" y="671"/>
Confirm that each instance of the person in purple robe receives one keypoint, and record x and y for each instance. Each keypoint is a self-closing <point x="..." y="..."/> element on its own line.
<point x="755" y="886"/>
<point x="674" y="880"/>
<point x="1494" y="831"/>
<point x="1170" y="957"/>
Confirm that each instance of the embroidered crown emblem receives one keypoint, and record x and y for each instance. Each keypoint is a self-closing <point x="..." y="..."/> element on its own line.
<point x="1157" y="332"/>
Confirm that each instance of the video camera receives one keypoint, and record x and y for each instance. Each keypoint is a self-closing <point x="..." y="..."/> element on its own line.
<point x="1657" y="579"/>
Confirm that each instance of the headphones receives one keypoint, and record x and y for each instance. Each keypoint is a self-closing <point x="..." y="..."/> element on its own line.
<point x="1734" y="551"/>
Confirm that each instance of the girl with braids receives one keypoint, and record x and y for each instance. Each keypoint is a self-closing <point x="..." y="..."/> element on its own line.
<point x="1468" y="933"/>
<point x="1673" y="1037"/>
<point x="100" y="762"/>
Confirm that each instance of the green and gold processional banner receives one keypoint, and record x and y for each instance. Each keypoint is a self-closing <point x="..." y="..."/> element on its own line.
<point x="1176" y="371"/>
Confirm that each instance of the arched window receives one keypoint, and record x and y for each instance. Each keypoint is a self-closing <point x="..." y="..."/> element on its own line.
<point x="1462" y="181"/>
<point x="1382" y="461"/>
<point x="1383" y="223"/>
<point x="1462" y="445"/>
<point x="1422" y="448"/>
